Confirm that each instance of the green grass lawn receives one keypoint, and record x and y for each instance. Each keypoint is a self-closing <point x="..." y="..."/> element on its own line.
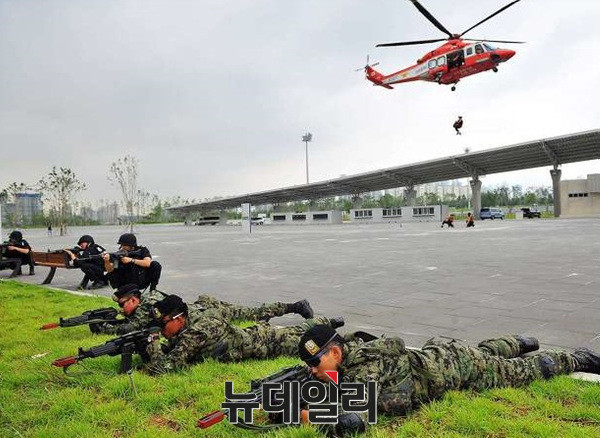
<point x="38" y="400"/>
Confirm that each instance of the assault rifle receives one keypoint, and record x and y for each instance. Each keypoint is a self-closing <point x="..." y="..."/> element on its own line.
<point x="116" y="256"/>
<point x="126" y="345"/>
<point x="4" y="245"/>
<point x="106" y="314"/>
<point x="294" y="373"/>
<point x="75" y="250"/>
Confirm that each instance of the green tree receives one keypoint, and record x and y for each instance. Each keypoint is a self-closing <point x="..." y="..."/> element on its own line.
<point x="428" y="199"/>
<point x="123" y="173"/>
<point x="60" y="187"/>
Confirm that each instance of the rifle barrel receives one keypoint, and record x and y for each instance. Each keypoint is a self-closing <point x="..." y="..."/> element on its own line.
<point x="211" y="419"/>
<point x="65" y="361"/>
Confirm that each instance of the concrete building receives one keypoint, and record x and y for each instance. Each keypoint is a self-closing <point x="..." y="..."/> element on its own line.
<point x="26" y="206"/>
<point x="307" y="218"/>
<point x="580" y="197"/>
<point x="108" y="214"/>
<point x="445" y="188"/>
<point x="424" y="213"/>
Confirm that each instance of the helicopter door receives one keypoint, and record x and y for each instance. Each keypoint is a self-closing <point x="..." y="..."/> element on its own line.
<point x="456" y="59"/>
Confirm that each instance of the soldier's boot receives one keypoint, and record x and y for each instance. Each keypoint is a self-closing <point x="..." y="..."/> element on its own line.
<point x="31" y="270"/>
<point x="301" y="308"/>
<point x="527" y="344"/>
<point x="336" y="322"/>
<point x="587" y="360"/>
<point x="98" y="284"/>
<point x="84" y="283"/>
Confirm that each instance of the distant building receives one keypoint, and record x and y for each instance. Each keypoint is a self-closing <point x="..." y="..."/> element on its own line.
<point x="26" y="206"/>
<point x="443" y="189"/>
<point x="580" y="197"/>
<point x="108" y="214"/>
<point x="88" y="213"/>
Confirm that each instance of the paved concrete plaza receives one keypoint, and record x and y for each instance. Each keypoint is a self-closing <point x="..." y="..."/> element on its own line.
<point x="539" y="277"/>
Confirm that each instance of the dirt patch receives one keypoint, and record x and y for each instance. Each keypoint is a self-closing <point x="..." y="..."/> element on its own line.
<point x="157" y="420"/>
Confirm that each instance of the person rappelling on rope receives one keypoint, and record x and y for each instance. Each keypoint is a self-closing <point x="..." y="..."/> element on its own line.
<point x="458" y="124"/>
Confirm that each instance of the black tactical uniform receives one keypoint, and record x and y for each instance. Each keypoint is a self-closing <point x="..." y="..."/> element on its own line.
<point x="16" y="239"/>
<point x="92" y="267"/>
<point x="131" y="273"/>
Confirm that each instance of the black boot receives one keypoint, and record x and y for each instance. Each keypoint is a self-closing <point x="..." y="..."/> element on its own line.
<point x="527" y="344"/>
<point x="31" y="270"/>
<point x="587" y="360"/>
<point x="336" y="322"/>
<point x="302" y="308"/>
<point x="98" y="284"/>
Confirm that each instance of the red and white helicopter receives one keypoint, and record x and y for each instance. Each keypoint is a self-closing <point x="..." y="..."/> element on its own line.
<point x="457" y="58"/>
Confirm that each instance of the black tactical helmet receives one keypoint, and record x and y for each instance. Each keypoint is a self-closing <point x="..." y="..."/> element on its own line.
<point x="127" y="239"/>
<point x="16" y="236"/>
<point x="86" y="238"/>
<point x="169" y="306"/>
<point x="125" y="290"/>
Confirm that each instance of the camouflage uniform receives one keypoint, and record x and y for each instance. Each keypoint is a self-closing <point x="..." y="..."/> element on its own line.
<point x="205" y="336"/>
<point x="228" y="311"/>
<point x="206" y="304"/>
<point x="408" y="378"/>
<point x="141" y="318"/>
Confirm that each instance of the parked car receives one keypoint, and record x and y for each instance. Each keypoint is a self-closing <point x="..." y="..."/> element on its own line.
<point x="259" y="220"/>
<point x="491" y="213"/>
<point x="531" y="212"/>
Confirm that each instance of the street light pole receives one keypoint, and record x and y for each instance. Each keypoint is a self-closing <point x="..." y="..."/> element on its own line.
<point x="306" y="138"/>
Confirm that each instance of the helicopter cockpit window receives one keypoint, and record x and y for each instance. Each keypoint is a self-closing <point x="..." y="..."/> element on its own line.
<point x="489" y="48"/>
<point x="441" y="61"/>
<point x="478" y="49"/>
<point x="469" y="51"/>
<point x="432" y="64"/>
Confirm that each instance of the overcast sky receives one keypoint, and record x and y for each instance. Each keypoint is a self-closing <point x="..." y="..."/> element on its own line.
<point x="213" y="97"/>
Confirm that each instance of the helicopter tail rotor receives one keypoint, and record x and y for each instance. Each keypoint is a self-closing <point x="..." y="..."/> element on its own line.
<point x="373" y="75"/>
<point x="367" y="65"/>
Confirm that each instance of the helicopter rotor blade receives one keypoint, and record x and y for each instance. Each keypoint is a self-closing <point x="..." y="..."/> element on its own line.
<point x="495" y="41"/>
<point x="367" y="65"/>
<point x="411" y="43"/>
<point x="489" y="16"/>
<point x="430" y="17"/>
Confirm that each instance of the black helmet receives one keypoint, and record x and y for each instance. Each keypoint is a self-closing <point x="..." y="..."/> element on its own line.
<point x="169" y="306"/>
<point x="127" y="239"/>
<point x="86" y="238"/>
<point x="15" y="236"/>
<point x="126" y="290"/>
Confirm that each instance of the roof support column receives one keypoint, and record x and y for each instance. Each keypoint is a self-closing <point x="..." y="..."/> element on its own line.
<point x="475" y="184"/>
<point x="410" y="195"/>
<point x="555" y="174"/>
<point x="222" y="217"/>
